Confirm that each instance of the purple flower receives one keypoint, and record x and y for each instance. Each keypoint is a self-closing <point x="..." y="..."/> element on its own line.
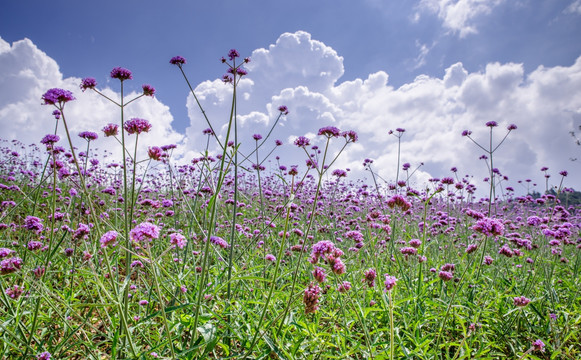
<point x="88" y="83"/>
<point x="14" y="292"/>
<point x="339" y="173"/>
<point x="329" y="131"/>
<point x="43" y="356"/>
<point x="216" y="240"/>
<point x="319" y="274"/>
<point x="521" y="301"/>
<point x="143" y="302"/>
<point x="466" y="133"/>
<point x="144" y="232"/>
<point x="283" y="109"/>
<point x="111" y="130"/>
<point x="344" y="287"/>
<point x="155" y="153"/>
<point x="88" y="135"/>
<point x="564" y="173"/>
<point x="4" y="252"/>
<point x="350" y="136"/>
<point x="278" y="142"/>
<point x="33" y="223"/>
<point x="488" y="260"/>
<point x="56" y="96"/>
<point x="177" y="60"/>
<point x="270" y="257"/>
<point x="369" y="276"/>
<point x="148" y="90"/>
<point x="311" y="298"/>
<point x="34" y="245"/>
<point x="178" y="240"/>
<point x="492" y="124"/>
<point x="241" y="72"/>
<point x="400" y="130"/>
<point x="232" y="54"/>
<point x="489" y="226"/>
<point x="446" y="275"/>
<point x="57" y="114"/>
<point x="10" y="265"/>
<point x="511" y="127"/>
<point x="50" y="139"/>
<point x="109" y="239"/>
<point x="302" y="141"/>
<point x="389" y="282"/>
<point x="121" y="74"/>
<point x="137" y="126"/>
<point x="257" y="137"/>
<point x="538" y="345"/>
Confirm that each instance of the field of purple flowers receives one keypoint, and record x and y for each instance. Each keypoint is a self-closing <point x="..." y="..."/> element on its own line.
<point x="219" y="258"/>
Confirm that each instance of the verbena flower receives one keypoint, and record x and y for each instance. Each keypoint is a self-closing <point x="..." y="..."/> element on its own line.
<point x="88" y="135"/>
<point x="489" y="227"/>
<point x="177" y="60"/>
<point x="155" y="153"/>
<point x="56" y="96"/>
<point x="311" y="298"/>
<point x="369" y="276"/>
<point x="319" y="274"/>
<point x="521" y="301"/>
<point x="344" y="287"/>
<point x="216" y="240"/>
<point x="389" y="282"/>
<point x="44" y="356"/>
<point x="178" y="240"/>
<point x="50" y="139"/>
<point x="283" y="109"/>
<point x="137" y="126"/>
<point x="148" y="90"/>
<point x="270" y="257"/>
<point x="14" y="292"/>
<point x="10" y="265"/>
<point x="111" y="130"/>
<point x="88" y="83"/>
<point x="232" y="54"/>
<point x="257" y="137"/>
<point x="329" y="131"/>
<point x="538" y="345"/>
<point x="302" y="141"/>
<point x="144" y="232"/>
<point x="121" y="74"/>
<point x="109" y="239"/>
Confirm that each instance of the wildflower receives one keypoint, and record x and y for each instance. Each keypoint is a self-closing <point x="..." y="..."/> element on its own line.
<point x="14" y="292"/>
<point x="33" y="223"/>
<point x="257" y="137"/>
<point x="82" y="231"/>
<point x="408" y="251"/>
<point x="415" y="243"/>
<point x="369" y="276"/>
<point x="57" y="114"/>
<point x="178" y="240"/>
<point x="564" y="173"/>
<point x="144" y="232"/>
<point x="219" y="241"/>
<point x="511" y="127"/>
<point x="400" y="201"/>
<point x="44" y="356"/>
<point x="148" y="90"/>
<point x="34" y="245"/>
<point x="10" y="265"/>
<point x="143" y="302"/>
<point x="283" y="109"/>
<point x="319" y="274"/>
<point x="121" y="74"/>
<point x="270" y="257"/>
<point x="88" y="135"/>
<point x="489" y="227"/>
<point x="177" y="60"/>
<point x="109" y="239"/>
<point x="49" y="140"/>
<point x="57" y="96"/>
<point x="302" y="141"/>
<point x="278" y="142"/>
<point x="155" y="153"/>
<point x="446" y="275"/>
<point x="111" y="130"/>
<point x="466" y="133"/>
<point x="232" y="54"/>
<point x="311" y="298"/>
<point x="329" y="131"/>
<point x="492" y="124"/>
<point x="339" y="173"/>
<point x="344" y="287"/>
<point x="137" y="125"/>
<point x="241" y="72"/>
<point x="136" y="263"/>
<point x="538" y="345"/>
<point x="488" y="260"/>
<point x="471" y="248"/>
<point x="389" y="282"/>
<point x="4" y="252"/>
<point x="88" y="83"/>
<point x="521" y="301"/>
<point x="350" y="136"/>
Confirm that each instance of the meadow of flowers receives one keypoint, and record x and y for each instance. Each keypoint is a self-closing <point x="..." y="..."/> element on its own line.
<point x="150" y="258"/>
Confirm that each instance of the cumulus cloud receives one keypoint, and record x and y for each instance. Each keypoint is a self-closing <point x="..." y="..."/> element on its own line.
<point x="574" y="7"/>
<point x="26" y="73"/>
<point x="304" y="74"/>
<point x="433" y="110"/>
<point x="459" y="16"/>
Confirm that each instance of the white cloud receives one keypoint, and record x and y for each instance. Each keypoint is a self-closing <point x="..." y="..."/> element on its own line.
<point x="459" y="16"/>
<point x="574" y="7"/>
<point x="26" y="73"/>
<point x="304" y="74"/>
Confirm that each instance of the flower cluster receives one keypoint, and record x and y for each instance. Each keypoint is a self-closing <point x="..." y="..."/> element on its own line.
<point x="178" y="240"/>
<point x="144" y="233"/>
<point x="109" y="239"/>
<point x="330" y="254"/>
<point x="121" y="74"/>
<point x="521" y="301"/>
<point x="489" y="227"/>
<point x="389" y="282"/>
<point x="311" y="298"/>
<point x="57" y="96"/>
<point x="137" y="126"/>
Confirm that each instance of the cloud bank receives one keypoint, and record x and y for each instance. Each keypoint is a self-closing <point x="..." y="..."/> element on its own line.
<point x="304" y="74"/>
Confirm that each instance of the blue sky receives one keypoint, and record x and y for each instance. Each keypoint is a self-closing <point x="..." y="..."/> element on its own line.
<point x="414" y="42"/>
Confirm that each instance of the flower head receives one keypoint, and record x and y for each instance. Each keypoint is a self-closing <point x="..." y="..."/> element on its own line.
<point x="137" y="126"/>
<point x="257" y="137"/>
<point x="178" y="240"/>
<point x="389" y="282"/>
<point x="511" y="127"/>
<point x="232" y="54"/>
<point x="311" y="298"/>
<point x="492" y="124"/>
<point x="329" y="131"/>
<point x="144" y="232"/>
<point x="302" y="141"/>
<point x="50" y="139"/>
<point x="121" y="74"/>
<point x="538" y="345"/>
<point x="283" y="109"/>
<point x="155" y="153"/>
<point x="88" y="83"/>
<point x="111" y="130"/>
<point x="350" y="135"/>
<point x="109" y="239"/>
<point x="56" y="96"/>
<point x="177" y="60"/>
<point x="466" y="133"/>
<point x="88" y="135"/>
<point x="148" y="90"/>
<point x="43" y="356"/>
